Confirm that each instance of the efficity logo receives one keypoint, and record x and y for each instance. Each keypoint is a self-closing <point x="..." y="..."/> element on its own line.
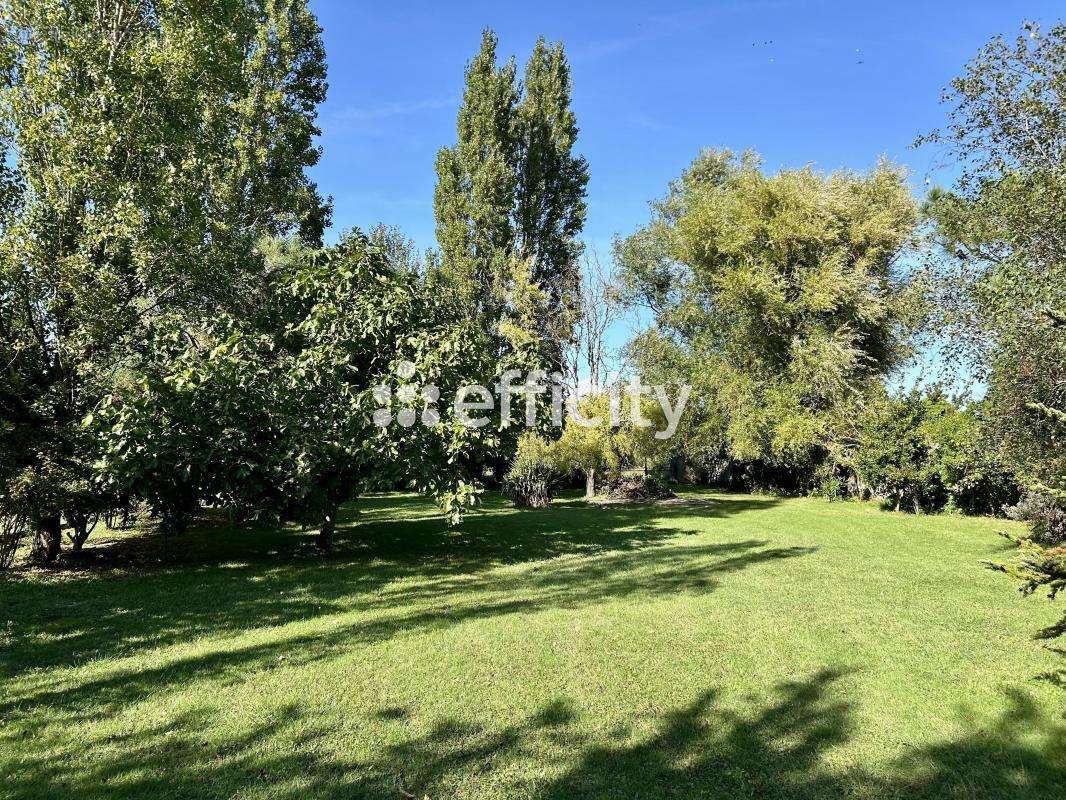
<point x="410" y="404"/>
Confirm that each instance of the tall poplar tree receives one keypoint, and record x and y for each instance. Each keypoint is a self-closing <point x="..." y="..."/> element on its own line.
<point x="510" y="203"/>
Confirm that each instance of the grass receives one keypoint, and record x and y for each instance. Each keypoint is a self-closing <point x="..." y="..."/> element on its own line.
<point x="730" y="647"/>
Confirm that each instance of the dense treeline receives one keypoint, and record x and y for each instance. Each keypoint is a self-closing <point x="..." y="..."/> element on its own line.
<point x="175" y="333"/>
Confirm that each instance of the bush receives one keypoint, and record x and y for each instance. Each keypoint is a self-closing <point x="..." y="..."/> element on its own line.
<point x="640" y="489"/>
<point x="924" y="451"/>
<point x="533" y="473"/>
<point x="1045" y="515"/>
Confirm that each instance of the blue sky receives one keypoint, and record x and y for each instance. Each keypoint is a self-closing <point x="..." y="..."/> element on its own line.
<point x="833" y="84"/>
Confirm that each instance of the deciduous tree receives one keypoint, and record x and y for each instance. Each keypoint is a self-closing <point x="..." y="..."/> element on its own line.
<point x="150" y="146"/>
<point x="781" y="295"/>
<point x="510" y="204"/>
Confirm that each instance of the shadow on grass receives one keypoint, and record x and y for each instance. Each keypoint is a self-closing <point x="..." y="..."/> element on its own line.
<point x="781" y="747"/>
<point x="398" y="572"/>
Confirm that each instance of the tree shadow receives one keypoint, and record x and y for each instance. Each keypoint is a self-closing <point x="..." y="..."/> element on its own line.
<point x="399" y="577"/>
<point x="782" y="746"/>
<point x="409" y="611"/>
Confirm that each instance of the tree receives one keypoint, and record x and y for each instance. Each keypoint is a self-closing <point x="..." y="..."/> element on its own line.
<point x="608" y="434"/>
<point x="601" y="306"/>
<point x="1002" y="229"/>
<point x="781" y="295"/>
<point x="476" y="182"/>
<point x="967" y="463"/>
<point x="550" y="195"/>
<point x="510" y="203"/>
<point x="278" y="415"/>
<point x="533" y="473"/>
<point x="148" y="156"/>
<point x="895" y="454"/>
<point x="587" y="448"/>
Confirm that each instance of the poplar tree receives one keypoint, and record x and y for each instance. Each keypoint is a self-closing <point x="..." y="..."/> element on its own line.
<point x="510" y="203"/>
<point x="550" y="201"/>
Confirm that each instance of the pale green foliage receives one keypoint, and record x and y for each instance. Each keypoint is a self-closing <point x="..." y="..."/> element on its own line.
<point x="781" y="295"/>
<point x="588" y="448"/>
<point x="603" y="445"/>
<point x="533" y="472"/>
<point x="1039" y="568"/>
<point x="614" y="441"/>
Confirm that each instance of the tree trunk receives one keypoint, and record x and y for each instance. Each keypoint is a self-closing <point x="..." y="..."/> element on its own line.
<point x="324" y="542"/>
<point x="48" y="539"/>
<point x="590" y="483"/>
<point x="82" y="526"/>
<point x="175" y="521"/>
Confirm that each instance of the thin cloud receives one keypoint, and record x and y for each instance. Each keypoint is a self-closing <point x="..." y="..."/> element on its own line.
<point x="390" y="110"/>
<point x="378" y="120"/>
<point x="668" y="25"/>
<point x="649" y="123"/>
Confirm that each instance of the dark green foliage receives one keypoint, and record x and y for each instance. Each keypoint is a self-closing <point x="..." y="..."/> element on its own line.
<point x="922" y="452"/>
<point x="1045" y="516"/>
<point x="894" y="457"/>
<point x="510" y="204"/>
<point x="274" y="415"/>
<point x="145" y="157"/>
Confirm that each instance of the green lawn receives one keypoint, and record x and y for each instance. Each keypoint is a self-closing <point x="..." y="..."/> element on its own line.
<point x="730" y="647"/>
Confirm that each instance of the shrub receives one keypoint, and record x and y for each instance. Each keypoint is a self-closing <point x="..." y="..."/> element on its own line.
<point x="642" y="488"/>
<point x="1045" y="515"/>
<point x="533" y="473"/>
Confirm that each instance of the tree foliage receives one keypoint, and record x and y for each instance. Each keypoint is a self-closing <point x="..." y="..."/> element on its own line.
<point x="149" y="147"/>
<point x="1002" y="229"/>
<point x="275" y="415"/>
<point x="924" y="452"/>
<point x="510" y="203"/>
<point x="779" y="296"/>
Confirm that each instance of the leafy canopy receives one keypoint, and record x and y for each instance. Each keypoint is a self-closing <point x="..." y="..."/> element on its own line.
<point x="779" y="297"/>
